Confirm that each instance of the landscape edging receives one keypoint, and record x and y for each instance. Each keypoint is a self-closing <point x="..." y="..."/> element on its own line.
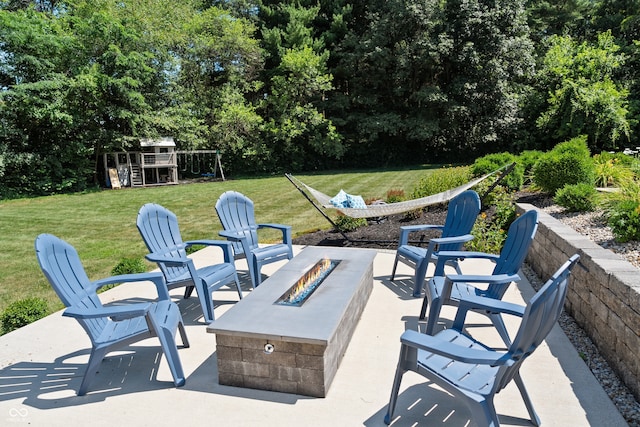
<point x="603" y="295"/>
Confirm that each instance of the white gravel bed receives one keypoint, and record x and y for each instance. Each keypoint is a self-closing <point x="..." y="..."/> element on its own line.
<point x="593" y="225"/>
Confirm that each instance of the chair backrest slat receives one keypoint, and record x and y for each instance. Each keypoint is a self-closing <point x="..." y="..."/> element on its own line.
<point x="236" y="212"/>
<point x="63" y="269"/>
<point x="514" y="251"/>
<point x="159" y="229"/>
<point x="462" y="212"/>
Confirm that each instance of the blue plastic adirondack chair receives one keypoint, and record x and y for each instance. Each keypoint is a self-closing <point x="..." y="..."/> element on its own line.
<point x="450" y="289"/>
<point x="461" y="215"/>
<point x="110" y="327"/>
<point x="160" y="232"/>
<point x="236" y="214"/>
<point x="473" y="372"/>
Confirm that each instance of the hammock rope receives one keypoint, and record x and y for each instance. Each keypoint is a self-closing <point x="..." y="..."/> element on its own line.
<point x="386" y="209"/>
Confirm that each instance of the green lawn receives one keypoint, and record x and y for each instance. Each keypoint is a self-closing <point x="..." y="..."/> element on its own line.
<point x="102" y="225"/>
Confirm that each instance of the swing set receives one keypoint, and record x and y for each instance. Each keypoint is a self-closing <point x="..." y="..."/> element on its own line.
<point x="200" y="163"/>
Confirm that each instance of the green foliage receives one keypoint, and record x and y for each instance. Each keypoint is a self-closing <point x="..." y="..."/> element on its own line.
<point x="346" y="223"/>
<point x="576" y="197"/>
<point x="490" y="229"/>
<point x="395" y="195"/>
<point x="441" y="180"/>
<point x="491" y="162"/>
<point x="129" y="266"/>
<point x="22" y="312"/>
<point x="568" y="163"/>
<point x="612" y="170"/>
<point x="488" y="237"/>
<point x="624" y="220"/>
<point x="584" y="98"/>
<point x="528" y="159"/>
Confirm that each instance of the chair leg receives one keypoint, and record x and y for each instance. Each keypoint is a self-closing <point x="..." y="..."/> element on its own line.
<point x="527" y="400"/>
<point x="165" y="320"/>
<point x="421" y="273"/>
<point x="423" y="310"/>
<point x="188" y="291"/>
<point x="498" y="323"/>
<point x="168" y="344"/>
<point x="396" y="386"/>
<point x="256" y="272"/>
<point x="252" y="271"/>
<point x="484" y="413"/>
<point x="395" y="265"/>
<point x="434" y="314"/>
<point x="206" y="302"/>
<point x="237" y="282"/>
<point x="183" y="335"/>
<point x="92" y="367"/>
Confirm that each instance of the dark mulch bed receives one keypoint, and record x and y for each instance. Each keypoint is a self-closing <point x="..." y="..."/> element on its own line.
<point x="384" y="234"/>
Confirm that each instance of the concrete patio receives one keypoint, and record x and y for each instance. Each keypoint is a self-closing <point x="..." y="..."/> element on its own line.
<point x="41" y="366"/>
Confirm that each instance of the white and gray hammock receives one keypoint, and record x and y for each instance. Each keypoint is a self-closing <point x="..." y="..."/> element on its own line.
<point x="385" y="209"/>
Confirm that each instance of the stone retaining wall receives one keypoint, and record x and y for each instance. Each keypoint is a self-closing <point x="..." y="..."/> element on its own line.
<point x="603" y="296"/>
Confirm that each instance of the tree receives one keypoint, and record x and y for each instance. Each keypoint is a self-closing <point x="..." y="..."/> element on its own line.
<point x="435" y="79"/>
<point x="583" y="97"/>
<point x="297" y="132"/>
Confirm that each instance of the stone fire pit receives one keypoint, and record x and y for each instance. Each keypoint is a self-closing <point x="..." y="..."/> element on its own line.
<point x="295" y="349"/>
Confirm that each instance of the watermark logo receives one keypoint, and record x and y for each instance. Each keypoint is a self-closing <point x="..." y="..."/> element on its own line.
<point x="18" y="414"/>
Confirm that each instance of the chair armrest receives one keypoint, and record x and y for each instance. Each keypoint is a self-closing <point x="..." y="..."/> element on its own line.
<point x="157" y="278"/>
<point x="444" y="348"/>
<point x="117" y="312"/>
<point x="232" y="235"/>
<point x="170" y="261"/>
<point x="405" y="230"/>
<point x="496" y="279"/>
<point x="491" y="305"/>
<point x="219" y="243"/>
<point x="285" y="229"/>
<point x="432" y="247"/>
<point x="276" y="226"/>
<point x="452" y="239"/>
<point x="226" y="246"/>
<point x="447" y="256"/>
<point x="420" y="227"/>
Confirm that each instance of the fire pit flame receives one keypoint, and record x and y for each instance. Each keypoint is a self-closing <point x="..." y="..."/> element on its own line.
<point x="308" y="283"/>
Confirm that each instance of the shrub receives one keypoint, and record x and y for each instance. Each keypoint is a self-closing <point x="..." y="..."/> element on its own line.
<point x="528" y="159"/>
<point x="612" y="170"/>
<point x="441" y="180"/>
<point x="566" y="164"/>
<point x="491" y="162"/>
<point x="22" y="312"/>
<point x="624" y="220"/>
<point x="346" y="223"/>
<point x="577" y="146"/>
<point x="487" y="236"/>
<point x="129" y="266"/>
<point x="576" y="197"/>
<point x="395" y="195"/>
<point x="489" y="230"/>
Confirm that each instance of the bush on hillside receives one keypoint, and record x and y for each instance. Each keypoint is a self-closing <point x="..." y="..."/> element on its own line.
<point x="22" y="312"/>
<point x="442" y="180"/>
<point x="492" y="162"/>
<point x="568" y="163"/>
<point x="576" y="197"/>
